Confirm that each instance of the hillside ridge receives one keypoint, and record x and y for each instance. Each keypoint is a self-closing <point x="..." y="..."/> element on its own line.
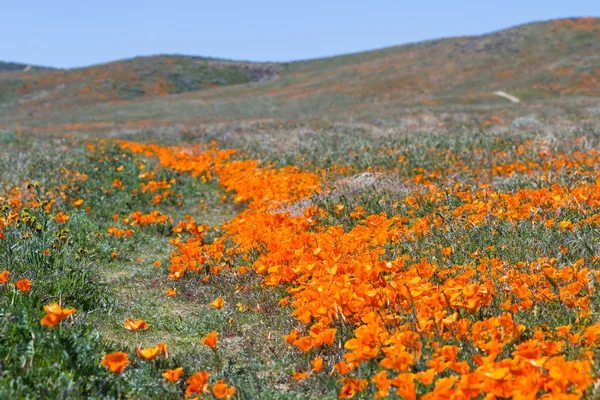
<point x="540" y="61"/>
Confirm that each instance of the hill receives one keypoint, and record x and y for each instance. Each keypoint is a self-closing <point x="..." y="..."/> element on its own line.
<point x="127" y="79"/>
<point x="539" y="62"/>
<point x="18" y="67"/>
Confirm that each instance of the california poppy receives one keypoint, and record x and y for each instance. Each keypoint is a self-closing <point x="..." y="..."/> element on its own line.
<point x="317" y="364"/>
<point x="136" y="325"/>
<point x="210" y="340"/>
<point x="116" y="361"/>
<point x="305" y="343"/>
<point x="218" y="303"/>
<point x="4" y="277"/>
<point x="197" y="383"/>
<point x="162" y="347"/>
<point x="55" y="314"/>
<point x="24" y="285"/>
<point x="173" y="375"/>
<point x="149" y="353"/>
<point x="300" y="375"/>
<point x="171" y="292"/>
<point x="222" y="390"/>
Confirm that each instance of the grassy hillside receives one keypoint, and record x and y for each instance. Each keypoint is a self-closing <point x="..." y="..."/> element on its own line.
<point x="125" y="80"/>
<point x="18" y="67"/>
<point x="540" y="62"/>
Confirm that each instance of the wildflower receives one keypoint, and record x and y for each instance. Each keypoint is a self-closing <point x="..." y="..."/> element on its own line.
<point x="210" y="340"/>
<point x="171" y="292"/>
<point x="197" y="383"/>
<point x="305" y="343"/>
<point x="24" y="285"/>
<point x="317" y="364"/>
<point x="284" y="302"/>
<point x="162" y="347"/>
<point x="222" y="390"/>
<point x="218" y="303"/>
<point x="115" y="362"/>
<point x="61" y="217"/>
<point x="173" y="375"/>
<point x="4" y="277"/>
<point x="300" y="375"/>
<point x="135" y="326"/>
<point x="151" y="352"/>
<point x="55" y="314"/>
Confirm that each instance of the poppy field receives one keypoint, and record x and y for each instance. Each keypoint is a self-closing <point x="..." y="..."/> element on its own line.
<point x="348" y="264"/>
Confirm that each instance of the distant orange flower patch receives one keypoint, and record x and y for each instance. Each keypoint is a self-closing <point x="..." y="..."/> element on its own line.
<point x="24" y="285"/>
<point x="119" y="232"/>
<point x="210" y="340"/>
<point x="116" y="362"/>
<point x="136" y="325"/>
<point x="55" y="314"/>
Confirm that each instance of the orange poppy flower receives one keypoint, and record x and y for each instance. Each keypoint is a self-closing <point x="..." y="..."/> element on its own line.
<point x="210" y="340"/>
<point x="305" y="343"/>
<point x="173" y="375"/>
<point x="149" y="353"/>
<point x="77" y="202"/>
<point x="300" y="375"/>
<point x="61" y="217"/>
<point x="116" y="361"/>
<point x="327" y="336"/>
<point x="4" y="277"/>
<point x="135" y="326"/>
<point x="222" y="390"/>
<point x="446" y="251"/>
<point x="292" y="336"/>
<point x="317" y="364"/>
<point x="55" y="314"/>
<point x="24" y="285"/>
<point x="284" y="302"/>
<point x="197" y="383"/>
<point x="218" y="303"/>
<point x="342" y="367"/>
<point x="171" y="292"/>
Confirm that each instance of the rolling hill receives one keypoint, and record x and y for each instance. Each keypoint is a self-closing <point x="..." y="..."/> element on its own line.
<point x="555" y="61"/>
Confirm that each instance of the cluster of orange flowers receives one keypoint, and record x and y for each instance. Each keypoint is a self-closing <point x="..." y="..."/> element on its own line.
<point x="405" y="311"/>
<point x="119" y="232"/>
<point x="24" y="285"/>
<point x="152" y="218"/>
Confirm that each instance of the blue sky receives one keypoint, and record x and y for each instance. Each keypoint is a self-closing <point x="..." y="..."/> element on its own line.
<point x="78" y="33"/>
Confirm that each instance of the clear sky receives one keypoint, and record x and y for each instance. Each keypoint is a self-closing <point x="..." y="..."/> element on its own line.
<point x="74" y="33"/>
